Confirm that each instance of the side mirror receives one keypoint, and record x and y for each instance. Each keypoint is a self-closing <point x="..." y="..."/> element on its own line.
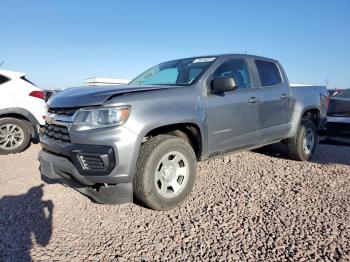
<point x="223" y="84"/>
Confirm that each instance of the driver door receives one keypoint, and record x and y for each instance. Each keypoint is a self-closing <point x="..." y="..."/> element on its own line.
<point x="233" y="116"/>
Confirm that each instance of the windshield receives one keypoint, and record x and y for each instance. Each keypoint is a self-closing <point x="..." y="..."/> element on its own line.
<point x="177" y="72"/>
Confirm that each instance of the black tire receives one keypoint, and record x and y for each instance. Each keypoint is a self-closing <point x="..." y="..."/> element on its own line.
<point x="20" y="126"/>
<point x="151" y="153"/>
<point x="296" y="144"/>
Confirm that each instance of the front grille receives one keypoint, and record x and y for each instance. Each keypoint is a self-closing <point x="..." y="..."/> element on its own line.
<point x="57" y="132"/>
<point x="69" y="111"/>
<point x="93" y="163"/>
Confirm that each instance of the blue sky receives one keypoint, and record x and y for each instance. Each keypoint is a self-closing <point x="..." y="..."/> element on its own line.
<point x="60" y="43"/>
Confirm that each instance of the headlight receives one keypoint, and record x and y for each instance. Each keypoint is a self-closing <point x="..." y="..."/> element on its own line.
<point x="92" y="118"/>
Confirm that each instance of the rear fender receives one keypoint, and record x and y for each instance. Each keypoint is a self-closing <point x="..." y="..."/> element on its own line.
<point x="297" y="117"/>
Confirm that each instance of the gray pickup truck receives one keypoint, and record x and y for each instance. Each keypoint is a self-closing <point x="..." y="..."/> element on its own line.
<point x="144" y="139"/>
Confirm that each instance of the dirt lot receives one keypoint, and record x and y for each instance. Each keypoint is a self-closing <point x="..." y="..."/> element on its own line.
<point x="246" y="206"/>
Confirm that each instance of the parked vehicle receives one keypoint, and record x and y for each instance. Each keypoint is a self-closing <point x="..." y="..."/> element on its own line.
<point x="338" y="116"/>
<point x="22" y="111"/>
<point x="145" y="138"/>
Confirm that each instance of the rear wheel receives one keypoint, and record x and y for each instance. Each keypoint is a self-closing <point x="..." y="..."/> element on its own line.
<point x="303" y="145"/>
<point x="14" y="135"/>
<point x="166" y="172"/>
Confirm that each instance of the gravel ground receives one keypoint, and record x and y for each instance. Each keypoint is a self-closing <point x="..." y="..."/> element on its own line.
<point x="247" y="206"/>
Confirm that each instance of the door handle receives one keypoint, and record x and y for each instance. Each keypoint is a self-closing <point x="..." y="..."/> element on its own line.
<point x="253" y="100"/>
<point x="284" y="96"/>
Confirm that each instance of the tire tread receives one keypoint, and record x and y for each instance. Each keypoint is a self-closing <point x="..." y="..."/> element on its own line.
<point x="139" y="185"/>
<point x="294" y="143"/>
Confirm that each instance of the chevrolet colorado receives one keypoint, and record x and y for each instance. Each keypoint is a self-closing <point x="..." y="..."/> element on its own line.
<point x="144" y="139"/>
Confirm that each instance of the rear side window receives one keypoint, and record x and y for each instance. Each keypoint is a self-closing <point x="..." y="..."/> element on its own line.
<point x="3" y="79"/>
<point x="269" y="73"/>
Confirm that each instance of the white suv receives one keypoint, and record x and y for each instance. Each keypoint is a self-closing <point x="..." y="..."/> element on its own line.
<point x="22" y="112"/>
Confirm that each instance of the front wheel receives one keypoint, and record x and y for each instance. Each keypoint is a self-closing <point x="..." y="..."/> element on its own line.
<point x="303" y="145"/>
<point x="166" y="172"/>
<point x="14" y="135"/>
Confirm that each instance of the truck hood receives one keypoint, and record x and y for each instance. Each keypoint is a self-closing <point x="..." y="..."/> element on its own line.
<point x="94" y="96"/>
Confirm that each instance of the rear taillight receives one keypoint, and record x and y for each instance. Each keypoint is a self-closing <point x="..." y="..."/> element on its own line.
<point x="37" y="94"/>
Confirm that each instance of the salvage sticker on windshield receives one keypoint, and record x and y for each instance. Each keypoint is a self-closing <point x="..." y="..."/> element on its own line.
<point x="203" y="59"/>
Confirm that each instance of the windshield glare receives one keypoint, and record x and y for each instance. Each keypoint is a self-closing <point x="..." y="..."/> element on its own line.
<point x="178" y="72"/>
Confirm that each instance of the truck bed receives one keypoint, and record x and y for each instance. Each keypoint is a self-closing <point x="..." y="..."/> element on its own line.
<point x="304" y="94"/>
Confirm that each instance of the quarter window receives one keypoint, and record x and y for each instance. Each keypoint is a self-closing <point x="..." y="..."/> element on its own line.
<point x="268" y="72"/>
<point x="237" y="69"/>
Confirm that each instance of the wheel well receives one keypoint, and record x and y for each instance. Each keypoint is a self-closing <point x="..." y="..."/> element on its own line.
<point x="313" y="115"/>
<point x="26" y="120"/>
<point x="186" y="131"/>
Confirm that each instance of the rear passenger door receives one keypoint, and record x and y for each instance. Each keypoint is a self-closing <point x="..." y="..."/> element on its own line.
<point x="233" y="116"/>
<point x="275" y="110"/>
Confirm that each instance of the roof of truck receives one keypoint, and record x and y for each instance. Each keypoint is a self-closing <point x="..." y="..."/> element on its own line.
<point x="246" y="55"/>
<point x="231" y="55"/>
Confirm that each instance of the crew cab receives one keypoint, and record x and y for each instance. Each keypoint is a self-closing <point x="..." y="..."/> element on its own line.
<point x="144" y="139"/>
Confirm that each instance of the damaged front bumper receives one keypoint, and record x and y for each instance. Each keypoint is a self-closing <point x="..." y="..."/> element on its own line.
<point x="59" y="169"/>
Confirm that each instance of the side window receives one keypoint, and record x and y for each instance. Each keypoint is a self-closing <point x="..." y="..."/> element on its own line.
<point x="237" y="69"/>
<point x="268" y="72"/>
<point x="3" y="79"/>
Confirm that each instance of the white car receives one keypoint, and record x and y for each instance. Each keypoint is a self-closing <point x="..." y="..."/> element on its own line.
<point x="22" y="111"/>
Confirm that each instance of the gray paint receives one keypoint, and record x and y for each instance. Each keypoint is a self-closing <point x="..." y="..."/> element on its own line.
<point x="90" y="96"/>
<point x="227" y="121"/>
